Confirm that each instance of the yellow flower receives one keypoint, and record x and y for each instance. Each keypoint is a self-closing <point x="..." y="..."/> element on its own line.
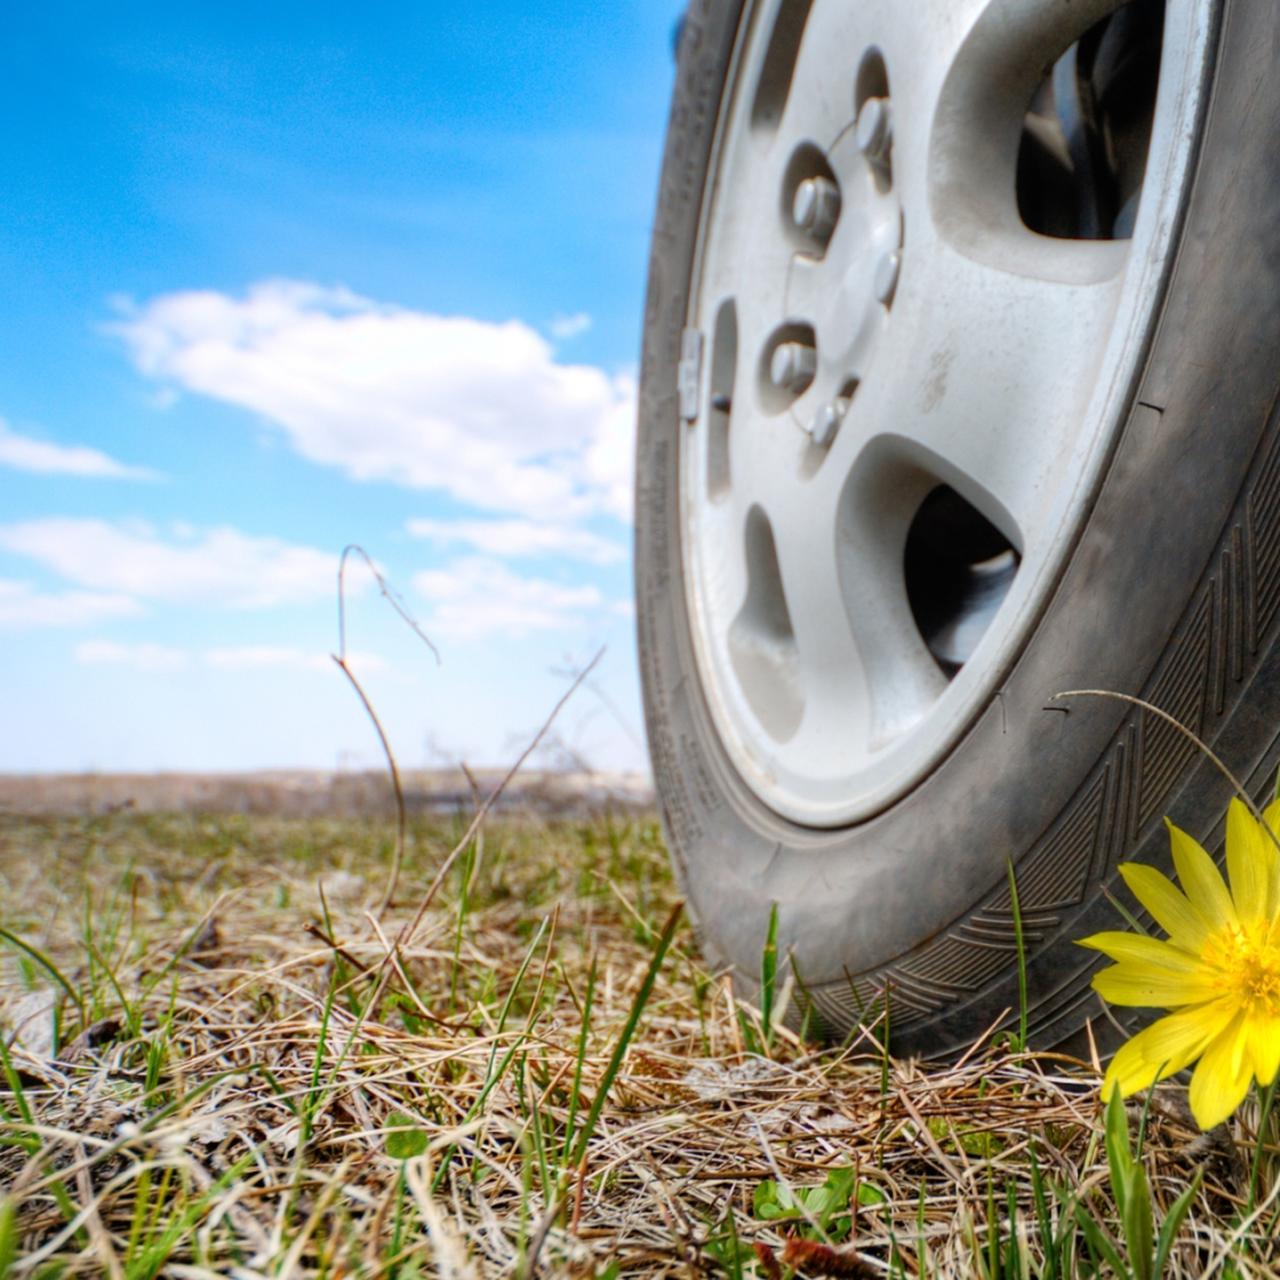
<point x="1219" y="969"/>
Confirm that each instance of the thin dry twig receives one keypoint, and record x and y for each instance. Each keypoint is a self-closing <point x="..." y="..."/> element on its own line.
<point x="340" y="658"/>
<point x="482" y="812"/>
<point x="1203" y="747"/>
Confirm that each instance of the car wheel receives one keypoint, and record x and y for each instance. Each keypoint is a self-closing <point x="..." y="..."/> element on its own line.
<point x="957" y="393"/>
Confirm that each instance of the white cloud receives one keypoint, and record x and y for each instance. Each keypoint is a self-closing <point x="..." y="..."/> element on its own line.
<point x="481" y="411"/>
<point x="233" y="658"/>
<point x="150" y="658"/>
<point x="609" y="462"/>
<point x="260" y="657"/>
<point x="22" y="607"/>
<point x="272" y="657"/>
<point x="217" y="567"/>
<point x="42" y="457"/>
<point x="476" y="596"/>
<point x="565" y="327"/>
<point x="514" y="538"/>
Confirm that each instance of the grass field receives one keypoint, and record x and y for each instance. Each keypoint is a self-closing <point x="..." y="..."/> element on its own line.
<point x="220" y="1059"/>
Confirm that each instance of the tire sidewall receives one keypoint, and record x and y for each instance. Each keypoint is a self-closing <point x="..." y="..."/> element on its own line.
<point x="1146" y="606"/>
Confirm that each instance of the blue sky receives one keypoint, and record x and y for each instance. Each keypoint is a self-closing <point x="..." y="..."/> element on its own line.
<point x="278" y="278"/>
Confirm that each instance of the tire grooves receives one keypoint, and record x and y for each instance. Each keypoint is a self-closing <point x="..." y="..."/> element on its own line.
<point x="1131" y="789"/>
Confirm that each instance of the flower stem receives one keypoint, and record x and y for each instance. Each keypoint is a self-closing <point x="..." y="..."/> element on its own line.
<point x="1266" y="1096"/>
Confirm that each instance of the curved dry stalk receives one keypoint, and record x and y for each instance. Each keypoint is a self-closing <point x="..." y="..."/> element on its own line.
<point x="406" y="934"/>
<point x="1199" y="743"/>
<point x="392" y="597"/>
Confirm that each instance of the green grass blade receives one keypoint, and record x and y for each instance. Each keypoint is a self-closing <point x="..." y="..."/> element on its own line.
<point x="1139" y="1230"/>
<point x="1119" y="1159"/>
<point x="1102" y="1247"/>
<point x="158" y="1252"/>
<point x="1267" y="1099"/>
<point x="132" y="1019"/>
<point x="1044" y="1219"/>
<point x="769" y="976"/>
<point x="584" y="1034"/>
<point x="8" y="1237"/>
<point x="49" y="967"/>
<point x="1022" y="959"/>
<point x="312" y="1100"/>
<point x="1125" y="914"/>
<point x="624" y="1040"/>
<point x="1173" y="1222"/>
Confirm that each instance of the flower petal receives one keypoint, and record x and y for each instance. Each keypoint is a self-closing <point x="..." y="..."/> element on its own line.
<point x="1264" y="1047"/>
<point x="1201" y="880"/>
<point x="1148" y="986"/>
<point x="1169" y="906"/>
<point x="1222" y="1079"/>
<point x="1250" y="862"/>
<point x="1165" y="1047"/>
<point x="1135" y="948"/>
<point x="1271" y="817"/>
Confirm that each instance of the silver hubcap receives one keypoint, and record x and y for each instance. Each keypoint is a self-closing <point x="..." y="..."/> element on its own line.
<point x="907" y="393"/>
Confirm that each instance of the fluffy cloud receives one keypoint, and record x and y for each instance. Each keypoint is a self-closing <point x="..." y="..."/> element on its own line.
<point x="481" y="411"/>
<point x="218" y="567"/>
<point x="478" y="596"/>
<point x="150" y="658"/>
<point x="565" y="327"/>
<point x="235" y="658"/>
<point x="277" y="658"/>
<point x="514" y="538"/>
<point x="23" y="607"/>
<point x="42" y="457"/>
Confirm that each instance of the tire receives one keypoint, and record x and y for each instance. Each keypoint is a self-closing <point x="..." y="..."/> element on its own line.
<point x="1163" y="582"/>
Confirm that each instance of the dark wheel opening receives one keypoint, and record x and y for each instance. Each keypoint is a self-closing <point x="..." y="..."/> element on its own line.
<point x="959" y="568"/>
<point x="1087" y="130"/>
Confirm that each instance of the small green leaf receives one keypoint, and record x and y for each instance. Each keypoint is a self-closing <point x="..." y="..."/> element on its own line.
<point x="772" y="1201"/>
<point x="405" y="1141"/>
<point x="869" y="1194"/>
<point x="826" y="1205"/>
<point x="965" y="1138"/>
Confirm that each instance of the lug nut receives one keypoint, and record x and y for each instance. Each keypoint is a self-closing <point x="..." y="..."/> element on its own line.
<point x="887" y="270"/>
<point x="816" y="207"/>
<point x="874" y="130"/>
<point x="826" y="422"/>
<point x="792" y="366"/>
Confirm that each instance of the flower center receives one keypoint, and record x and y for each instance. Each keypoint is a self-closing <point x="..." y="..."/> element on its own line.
<point x="1248" y="961"/>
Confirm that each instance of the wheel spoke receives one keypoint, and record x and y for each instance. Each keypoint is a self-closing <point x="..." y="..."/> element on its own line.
<point x="867" y="674"/>
<point x="1003" y="370"/>
<point x="821" y="102"/>
<point x="834" y="674"/>
<point x="858" y="666"/>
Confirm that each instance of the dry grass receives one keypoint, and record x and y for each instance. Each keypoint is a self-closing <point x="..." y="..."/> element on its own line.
<point x="219" y="1062"/>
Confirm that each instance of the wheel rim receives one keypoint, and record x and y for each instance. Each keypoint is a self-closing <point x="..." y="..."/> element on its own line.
<point x="905" y="395"/>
